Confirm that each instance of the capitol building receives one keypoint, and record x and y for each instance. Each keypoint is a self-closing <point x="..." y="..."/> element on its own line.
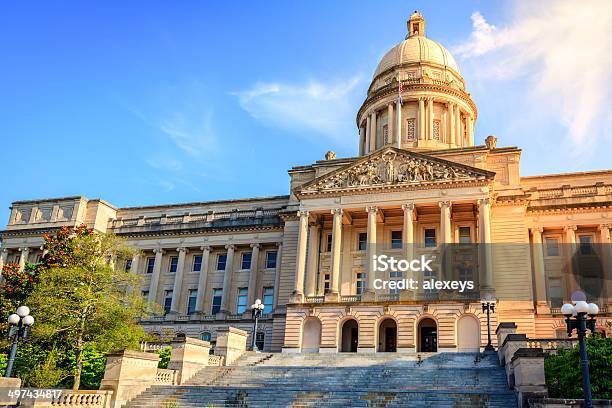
<point x="422" y="186"/>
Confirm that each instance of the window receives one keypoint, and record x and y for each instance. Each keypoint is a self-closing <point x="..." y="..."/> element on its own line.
<point x="221" y="261"/>
<point x="260" y="340"/>
<point x="395" y="275"/>
<point x="586" y="244"/>
<point x="145" y="294"/>
<point x="396" y="239"/>
<point x="552" y="246"/>
<point x="436" y="129"/>
<point x="555" y="292"/>
<point x="361" y="282"/>
<point x="191" y="302"/>
<point x="246" y="261"/>
<point x="327" y="282"/>
<point x="465" y="273"/>
<point x="128" y="265"/>
<point x="216" y="301"/>
<point x="271" y="259"/>
<point x="362" y="245"/>
<point x="430" y="237"/>
<point x="241" y="303"/>
<point x="410" y="126"/>
<point x="168" y="301"/>
<point x="268" y="299"/>
<point x="173" y="263"/>
<point x="206" y="336"/>
<point x="465" y="235"/>
<point x="197" y="263"/>
<point x="329" y="243"/>
<point x="150" y="264"/>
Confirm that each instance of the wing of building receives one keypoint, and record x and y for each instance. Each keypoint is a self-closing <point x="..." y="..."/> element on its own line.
<point x="419" y="189"/>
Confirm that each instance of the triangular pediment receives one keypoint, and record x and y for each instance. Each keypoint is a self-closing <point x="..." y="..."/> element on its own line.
<point x="392" y="167"/>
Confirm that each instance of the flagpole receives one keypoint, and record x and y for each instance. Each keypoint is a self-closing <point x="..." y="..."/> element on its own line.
<point x="399" y="117"/>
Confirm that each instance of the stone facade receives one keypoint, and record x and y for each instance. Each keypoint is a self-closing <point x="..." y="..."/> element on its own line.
<point x="419" y="183"/>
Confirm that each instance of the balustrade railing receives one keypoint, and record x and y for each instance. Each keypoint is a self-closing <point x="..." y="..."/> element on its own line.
<point x="94" y="398"/>
<point x="350" y="298"/>
<point x="551" y="344"/>
<point x="165" y="376"/>
<point x="315" y="299"/>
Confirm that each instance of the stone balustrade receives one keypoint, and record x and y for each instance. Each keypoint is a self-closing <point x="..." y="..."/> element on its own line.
<point x="165" y="376"/>
<point x="551" y="344"/>
<point x="76" y="399"/>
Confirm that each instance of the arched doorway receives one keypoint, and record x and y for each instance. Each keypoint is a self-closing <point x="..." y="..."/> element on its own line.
<point x="428" y="336"/>
<point x="350" y="336"/>
<point x="311" y="335"/>
<point x="468" y="334"/>
<point x="387" y="335"/>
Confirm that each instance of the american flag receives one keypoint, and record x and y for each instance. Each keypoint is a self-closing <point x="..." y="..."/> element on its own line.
<point x="401" y="91"/>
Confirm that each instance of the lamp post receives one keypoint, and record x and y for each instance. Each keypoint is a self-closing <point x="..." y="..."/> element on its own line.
<point x="488" y="305"/>
<point x="580" y="323"/>
<point x="256" y="311"/>
<point x="19" y="324"/>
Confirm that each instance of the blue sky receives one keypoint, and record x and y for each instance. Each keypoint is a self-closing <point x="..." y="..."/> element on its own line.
<point x="153" y="102"/>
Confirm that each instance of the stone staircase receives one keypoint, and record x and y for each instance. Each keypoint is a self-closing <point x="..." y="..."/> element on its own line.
<point x="455" y="380"/>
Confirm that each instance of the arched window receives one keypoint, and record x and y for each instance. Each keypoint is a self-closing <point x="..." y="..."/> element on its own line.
<point x="206" y="336"/>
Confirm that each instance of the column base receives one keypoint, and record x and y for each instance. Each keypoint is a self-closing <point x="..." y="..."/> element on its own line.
<point x="366" y="350"/>
<point x="290" y="350"/>
<point x="406" y="350"/>
<point x="332" y="297"/>
<point x="368" y="296"/>
<point x="542" y="308"/>
<point x="296" y="297"/>
<point x="328" y="350"/>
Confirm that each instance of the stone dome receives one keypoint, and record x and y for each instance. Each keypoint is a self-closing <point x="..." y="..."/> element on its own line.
<point x="417" y="49"/>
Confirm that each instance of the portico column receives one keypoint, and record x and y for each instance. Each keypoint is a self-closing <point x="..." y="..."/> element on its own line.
<point x="300" y="263"/>
<point x="23" y="258"/>
<point x="570" y="239"/>
<point x="470" y="131"/>
<point x="178" y="280"/>
<point x="134" y="266"/>
<point x="313" y="254"/>
<point x="451" y="117"/>
<point x="159" y="253"/>
<point x="202" y="279"/>
<point x="373" y="131"/>
<point x="430" y="117"/>
<point x="390" y="123"/>
<point x="606" y="244"/>
<point x="445" y="222"/>
<point x="372" y="213"/>
<point x="421" y="118"/>
<point x="336" y="250"/>
<point x="538" y="269"/>
<point x="253" y="271"/>
<point x="366" y="142"/>
<point x="484" y="212"/>
<point x="3" y="256"/>
<point x="277" y="274"/>
<point x="227" y="278"/>
<point x="408" y="230"/>
<point x="361" y="140"/>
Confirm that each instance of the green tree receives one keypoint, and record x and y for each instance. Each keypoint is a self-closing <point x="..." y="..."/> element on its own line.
<point x="81" y="301"/>
<point x="564" y="376"/>
<point x="164" y="357"/>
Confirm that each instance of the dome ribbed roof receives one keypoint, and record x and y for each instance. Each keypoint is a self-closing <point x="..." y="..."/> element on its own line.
<point x="416" y="49"/>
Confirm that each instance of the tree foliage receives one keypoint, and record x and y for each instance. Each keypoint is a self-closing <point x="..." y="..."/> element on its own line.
<point x="564" y="376"/>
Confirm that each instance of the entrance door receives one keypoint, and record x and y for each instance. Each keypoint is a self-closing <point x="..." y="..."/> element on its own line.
<point x="428" y="336"/>
<point x="354" y="339"/>
<point x="350" y="336"/>
<point x="391" y="339"/>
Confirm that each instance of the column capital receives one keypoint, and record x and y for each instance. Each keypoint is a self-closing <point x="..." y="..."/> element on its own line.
<point x="372" y="209"/>
<point x="24" y="249"/>
<point x="230" y="247"/>
<point x="408" y="207"/>
<point x="205" y="248"/>
<point x="336" y="211"/>
<point x="483" y="201"/>
<point x="158" y="250"/>
<point x="445" y="204"/>
<point x="4" y="250"/>
<point x="182" y="249"/>
<point x="570" y="228"/>
<point x="537" y="229"/>
<point x="279" y="244"/>
<point x="603" y="227"/>
<point x="302" y="213"/>
<point x="255" y="245"/>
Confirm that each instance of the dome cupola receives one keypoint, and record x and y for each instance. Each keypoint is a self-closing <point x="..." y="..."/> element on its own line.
<point x="434" y="111"/>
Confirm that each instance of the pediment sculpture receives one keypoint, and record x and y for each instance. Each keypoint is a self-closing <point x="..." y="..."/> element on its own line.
<point x="392" y="167"/>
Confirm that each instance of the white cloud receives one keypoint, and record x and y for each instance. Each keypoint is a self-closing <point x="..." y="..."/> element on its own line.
<point x="325" y="108"/>
<point x="564" y="50"/>
<point x="192" y="133"/>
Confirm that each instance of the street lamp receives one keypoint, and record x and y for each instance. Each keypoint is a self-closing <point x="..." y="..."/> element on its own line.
<point x="580" y="323"/>
<point x="19" y="324"/>
<point x="256" y="311"/>
<point x="488" y="305"/>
